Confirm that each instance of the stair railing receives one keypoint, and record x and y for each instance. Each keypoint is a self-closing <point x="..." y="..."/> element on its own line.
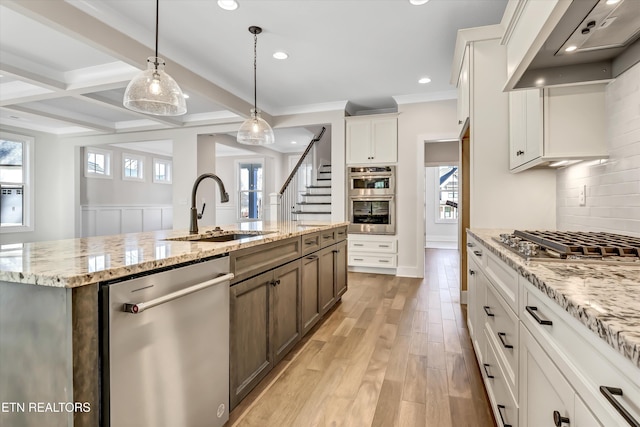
<point x="290" y="193"/>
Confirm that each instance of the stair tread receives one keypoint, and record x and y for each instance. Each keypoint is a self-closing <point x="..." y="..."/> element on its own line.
<point x="318" y="186"/>
<point x="311" y="213"/>
<point x="315" y="203"/>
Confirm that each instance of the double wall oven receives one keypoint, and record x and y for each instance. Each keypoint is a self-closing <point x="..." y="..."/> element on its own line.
<point x="372" y="207"/>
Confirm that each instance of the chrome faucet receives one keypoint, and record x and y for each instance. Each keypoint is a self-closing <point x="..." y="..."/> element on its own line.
<point x="224" y="198"/>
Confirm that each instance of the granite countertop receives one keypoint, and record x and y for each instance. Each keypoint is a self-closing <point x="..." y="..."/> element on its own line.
<point x="605" y="298"/>
<point x="78" y="262"/>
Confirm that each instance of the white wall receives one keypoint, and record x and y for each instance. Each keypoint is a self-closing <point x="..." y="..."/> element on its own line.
<point x="500" y="199"/>
<point x="55" y="189"/>
<point x="613" y="188"/>
<point x="417" y="123"/>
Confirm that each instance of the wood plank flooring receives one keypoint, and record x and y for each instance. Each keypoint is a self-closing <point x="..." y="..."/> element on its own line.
<point x="394" y="352"/>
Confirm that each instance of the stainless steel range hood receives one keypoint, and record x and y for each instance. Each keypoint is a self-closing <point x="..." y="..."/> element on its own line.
<point x="595" y="40"/>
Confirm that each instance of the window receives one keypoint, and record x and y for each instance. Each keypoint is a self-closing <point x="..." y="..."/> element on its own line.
<point x="162" y="171"/>
<point x="250" y="191"/>
<point x="132" y="167"/>
<point x="97" y="163"/>
<point x="16" y="176"/>
<point x="447" y="194"/>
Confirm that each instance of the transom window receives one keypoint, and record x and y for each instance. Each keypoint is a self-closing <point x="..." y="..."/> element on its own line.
<point x="132" y="167"/>
<point x="16" y="176"/>
<point x="162" y="171"/>
<point x="97" y="163"/>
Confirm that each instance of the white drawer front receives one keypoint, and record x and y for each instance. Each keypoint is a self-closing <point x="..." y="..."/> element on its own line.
<point x="366" y="260"/>
<point x="502" y="326"/>
<point x="503" y="402"/>
<point x="383" y="246"/>
<point x="504" y="278"/>
<point x="584" y="359"/>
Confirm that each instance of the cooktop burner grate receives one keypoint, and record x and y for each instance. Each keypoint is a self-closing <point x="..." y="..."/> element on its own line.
<point x="584" y="244"/>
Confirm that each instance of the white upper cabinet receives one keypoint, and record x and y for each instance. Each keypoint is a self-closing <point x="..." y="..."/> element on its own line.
<point x="555" y="124"/>
<point x="372" y="139"/>
<point x="464" y="91"/>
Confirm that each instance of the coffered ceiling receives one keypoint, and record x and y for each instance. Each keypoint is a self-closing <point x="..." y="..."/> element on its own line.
<point x="65" y="64"/>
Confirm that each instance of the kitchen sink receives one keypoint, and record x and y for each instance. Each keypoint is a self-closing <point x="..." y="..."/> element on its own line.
<point x="219" y="237"/>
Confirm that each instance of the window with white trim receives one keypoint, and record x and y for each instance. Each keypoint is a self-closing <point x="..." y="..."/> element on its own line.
<point x="16" y="183"/>
<point x="250" y="189"/>
<point x="447" y="193"/>
<point x="97" y="163"/>
<point x="162" y="171"/>
<point x="132" y="167"/>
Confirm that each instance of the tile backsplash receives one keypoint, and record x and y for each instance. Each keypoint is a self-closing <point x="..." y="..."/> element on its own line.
<point x="612" y="198"/>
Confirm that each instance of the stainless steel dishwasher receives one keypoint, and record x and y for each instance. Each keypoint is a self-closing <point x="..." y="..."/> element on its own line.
<point x="165" y="342"/>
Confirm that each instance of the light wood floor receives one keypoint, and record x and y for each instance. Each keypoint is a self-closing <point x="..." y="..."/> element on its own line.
<point x="394" y="352"/>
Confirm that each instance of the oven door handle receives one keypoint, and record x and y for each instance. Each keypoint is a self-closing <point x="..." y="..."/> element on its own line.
<point x="370" y="198"/>
<point x="136" y="308"/>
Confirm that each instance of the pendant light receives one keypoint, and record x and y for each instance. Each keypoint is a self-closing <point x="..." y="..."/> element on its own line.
<point x="153" y="91"/>
<point x="254" y="130"/>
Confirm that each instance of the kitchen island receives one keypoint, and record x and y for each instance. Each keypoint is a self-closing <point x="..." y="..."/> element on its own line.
<point x="555" y="339"/>
<point x="50" y="318"/>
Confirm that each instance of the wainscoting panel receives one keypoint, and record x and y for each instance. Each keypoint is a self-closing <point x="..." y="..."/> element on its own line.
<point x="108" y="220"/>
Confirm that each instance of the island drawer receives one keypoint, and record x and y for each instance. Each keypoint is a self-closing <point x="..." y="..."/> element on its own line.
<point x="311" y="243"/>
<point x="251" y="261"/>
<point x="503" y="403"/>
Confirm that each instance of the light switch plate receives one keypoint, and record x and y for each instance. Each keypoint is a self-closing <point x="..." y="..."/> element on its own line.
<point x="582" y="195"/>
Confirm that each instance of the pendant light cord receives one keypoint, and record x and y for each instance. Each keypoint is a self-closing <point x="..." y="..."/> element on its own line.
<point x="157" y="21"/>
<point x="255" y="67"/>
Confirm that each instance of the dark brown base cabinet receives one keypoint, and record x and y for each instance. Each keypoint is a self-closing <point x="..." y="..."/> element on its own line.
<point x="271" y="311"/>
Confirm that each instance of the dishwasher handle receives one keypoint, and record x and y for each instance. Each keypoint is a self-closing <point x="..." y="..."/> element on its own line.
<point x="136" y="308"/>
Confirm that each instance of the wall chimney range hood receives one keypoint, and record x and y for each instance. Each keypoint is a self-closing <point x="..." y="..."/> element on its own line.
<point x="595" y="40"/>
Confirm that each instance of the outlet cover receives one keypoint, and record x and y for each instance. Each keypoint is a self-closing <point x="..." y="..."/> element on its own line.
<point x="582" y="195"/>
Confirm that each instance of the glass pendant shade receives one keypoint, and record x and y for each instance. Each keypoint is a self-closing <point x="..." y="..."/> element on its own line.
<point x="155" y="92"/>
<point x="255" y="131"/>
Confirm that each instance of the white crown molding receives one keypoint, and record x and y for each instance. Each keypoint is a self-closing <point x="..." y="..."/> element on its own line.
<point x="309" y="108"/>
<point x="425" y="97"/>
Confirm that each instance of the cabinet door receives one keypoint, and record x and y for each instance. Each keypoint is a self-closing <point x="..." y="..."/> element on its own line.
<point x="285" y="304"/>
<point x="358" y="141"/>
<point x="327" y="290"/>
<point x="310" y="280"/>
<point x="583" y="416"/>
<point x="385" y="140"/>
<point x="250" y="357"/>
<point x="517" y="128"/>
<point x="340" y="262"/>
<point x="534" y="143"/>
<point x="463" y="91"/>
<point x="543" y="390"/>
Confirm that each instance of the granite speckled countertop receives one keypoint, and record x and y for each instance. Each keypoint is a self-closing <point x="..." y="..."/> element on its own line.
<point x="78" y="262"/>
<point x="605" y="298"/>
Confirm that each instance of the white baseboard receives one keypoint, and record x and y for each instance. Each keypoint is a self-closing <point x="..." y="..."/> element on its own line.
<point x="408" y="272"/>
<point x="389" y="271"/>
<point x="441" y="242"/>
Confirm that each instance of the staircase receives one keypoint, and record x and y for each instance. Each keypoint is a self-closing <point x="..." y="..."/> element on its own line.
<point x="315" y="203"/>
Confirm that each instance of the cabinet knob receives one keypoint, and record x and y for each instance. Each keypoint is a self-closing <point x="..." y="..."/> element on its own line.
<point x="459" y="122"/>
<point x="471" y="272"/>
<point x="558" y="419"/>
<point x="519" y="153"/>
<point x="275" y="282"/>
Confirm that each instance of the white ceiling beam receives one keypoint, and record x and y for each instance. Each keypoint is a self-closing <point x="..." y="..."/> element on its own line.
<point x="63" y="118"/>
<point x="105" y="102"/>
<point x="63" y="17"/>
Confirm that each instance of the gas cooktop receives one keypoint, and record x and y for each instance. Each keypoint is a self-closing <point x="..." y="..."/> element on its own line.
<point x="572" y="246"/>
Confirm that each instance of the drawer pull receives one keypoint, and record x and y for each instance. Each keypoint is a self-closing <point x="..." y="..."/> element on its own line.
<point x="500" y="408"/>
<point x="470" y="245"/>
<point x="609" y="393"/>
<point x="477" y="253"/>
<point x="310" y="242"/>
<point x="310" y="257"/>
<point x="558" y="419"/>
<point x="383" y="246"/>
<point x="358" y="244"/>
<point x="358" y="259"/>
<point x="485" y="366"/>
<point x="336" y="251"/>
<point x="533" y="312"/>
<point x="503" y="337"/>
<point x="383" y="260"/>
<point x="486" y="310"/>
<point x="328" y="236"/>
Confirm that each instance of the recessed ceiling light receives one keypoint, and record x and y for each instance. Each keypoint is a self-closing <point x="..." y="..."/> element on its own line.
<point x="294" y="142"/>
<point x="424" y="80"/>
<point x="539" y="82"/>
<point x="281" y="55"/>
<point x="418" y="2"/>
<point x="228" y="4"/>
<point x="571" y="48"/>
<point x="613" y="1"/>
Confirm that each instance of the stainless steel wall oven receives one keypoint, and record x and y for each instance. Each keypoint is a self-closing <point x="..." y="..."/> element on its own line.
<point x="372" y="206"/>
